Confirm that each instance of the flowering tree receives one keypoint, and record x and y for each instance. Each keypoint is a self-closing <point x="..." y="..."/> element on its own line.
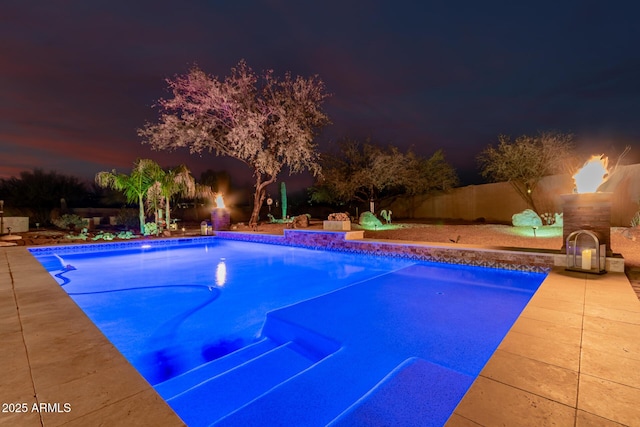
<point x="265" y="122"/>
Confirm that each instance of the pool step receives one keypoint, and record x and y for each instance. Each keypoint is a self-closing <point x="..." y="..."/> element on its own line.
<point x="411" y="394"/>
<point x="192" y="378"/>
<point x="227" y="391"/>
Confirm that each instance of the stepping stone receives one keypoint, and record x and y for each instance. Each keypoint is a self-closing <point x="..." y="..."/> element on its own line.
<point x="10" y="237"/>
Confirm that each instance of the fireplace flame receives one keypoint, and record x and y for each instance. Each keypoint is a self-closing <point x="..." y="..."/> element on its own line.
<point x="592" y="175"/>
<point x="220" y="201"/>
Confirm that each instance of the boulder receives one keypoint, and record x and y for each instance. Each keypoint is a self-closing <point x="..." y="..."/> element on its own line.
<point x="369" y="221"/>
<point x="526" y="218"/>
<point x="300" y="221"/>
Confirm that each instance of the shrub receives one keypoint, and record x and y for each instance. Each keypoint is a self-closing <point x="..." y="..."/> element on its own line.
<point x="125" y="235"/>
<point x="128" y="218"/>
<point x="82" y="236"/>
<point x="548" y="218"/>
<point x="104" y="236"/>
<point x="150" y="228"/>
<point x="69" y="221"/>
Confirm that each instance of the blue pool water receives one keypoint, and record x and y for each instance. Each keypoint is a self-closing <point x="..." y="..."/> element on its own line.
<point x="237" y="333"/>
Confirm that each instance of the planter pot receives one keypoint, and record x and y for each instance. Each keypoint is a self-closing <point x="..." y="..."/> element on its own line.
<point x="336" y="225"/>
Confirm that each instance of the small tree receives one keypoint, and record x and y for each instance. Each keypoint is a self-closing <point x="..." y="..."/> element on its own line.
<point x="264" y="122"/>
<point x="134" y="186"/>
<point x="429" y="175"/>
<point x="40" y="192"/>
<point x="366" y="172"/>
<point x="361" y="171"/>
<point x="526" y="160"/>
<point x="175" y="182"/>
<point x="154" y="202"/>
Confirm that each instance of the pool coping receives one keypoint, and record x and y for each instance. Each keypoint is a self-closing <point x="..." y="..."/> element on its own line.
<point x="578" y="327"/>
<point x="508" y="258"/>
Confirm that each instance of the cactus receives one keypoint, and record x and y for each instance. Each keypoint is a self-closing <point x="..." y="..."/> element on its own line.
<point x="283" y="195"/>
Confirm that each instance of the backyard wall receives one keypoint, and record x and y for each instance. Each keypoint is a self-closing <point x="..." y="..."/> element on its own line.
<point x="497" y="202"/>
<point x="18" y="224"/>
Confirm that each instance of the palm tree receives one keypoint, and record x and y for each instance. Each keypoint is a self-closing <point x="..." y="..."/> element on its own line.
<point x="133" y="186"/>
<point x="155" y="201"/>
<point x="176" y="181"/>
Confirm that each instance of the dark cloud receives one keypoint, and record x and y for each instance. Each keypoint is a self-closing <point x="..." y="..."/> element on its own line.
<point x="78" y="78"/>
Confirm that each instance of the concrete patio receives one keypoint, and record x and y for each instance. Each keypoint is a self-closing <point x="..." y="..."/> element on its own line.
<point x="572" y="358"/>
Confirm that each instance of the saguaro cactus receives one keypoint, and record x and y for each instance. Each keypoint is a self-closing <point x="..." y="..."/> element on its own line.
<point x="283" y="196"/>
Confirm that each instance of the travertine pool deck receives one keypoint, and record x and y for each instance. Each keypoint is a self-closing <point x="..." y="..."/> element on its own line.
<point x="571" y="359"/>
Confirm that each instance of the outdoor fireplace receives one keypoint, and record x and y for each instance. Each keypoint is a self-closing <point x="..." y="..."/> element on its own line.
<point x="220" y="216"/>
<point x="588" y="212"/>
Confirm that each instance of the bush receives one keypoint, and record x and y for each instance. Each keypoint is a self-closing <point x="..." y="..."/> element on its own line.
<point x="128" y="218"/>
<point x="150" y="228"/>
<point x="125" y="235"/>
<point x="69" y="221"/>
<point x="104" y="236"/>
<point x="82" y="236"/>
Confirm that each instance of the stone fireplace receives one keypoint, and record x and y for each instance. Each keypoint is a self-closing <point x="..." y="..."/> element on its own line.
<point x="587" y="211"/>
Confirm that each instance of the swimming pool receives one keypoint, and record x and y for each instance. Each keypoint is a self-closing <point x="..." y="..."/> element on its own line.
<point x="242" y="334"/>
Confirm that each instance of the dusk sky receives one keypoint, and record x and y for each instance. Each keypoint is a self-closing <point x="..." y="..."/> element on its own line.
<point x="77" y="78"/>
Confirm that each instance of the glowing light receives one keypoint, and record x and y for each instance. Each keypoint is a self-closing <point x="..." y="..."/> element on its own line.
<point x="592" y="175"/>
<point x="220" y="201"/>
<point x="145" y="246"/>
<point x="221" y="273"/>
<point x="586" y="259"/>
